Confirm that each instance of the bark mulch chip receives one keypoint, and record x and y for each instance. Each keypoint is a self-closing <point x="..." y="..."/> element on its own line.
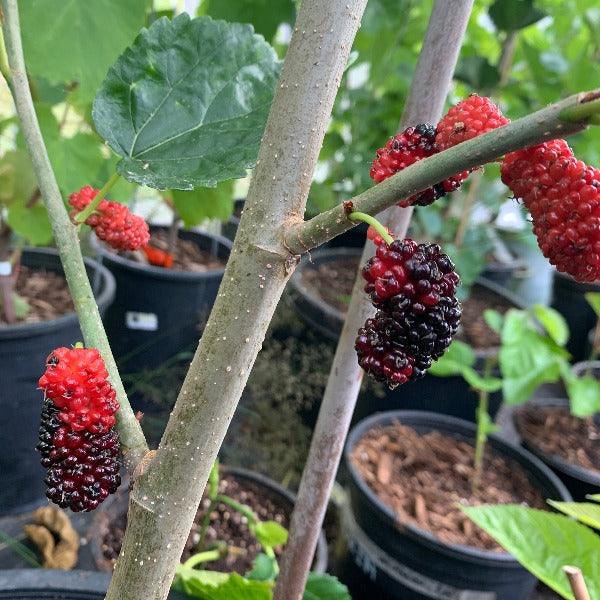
<point x="423" y="477"/>
<point x="46" y="292"/>
<point x="554" y="430"/>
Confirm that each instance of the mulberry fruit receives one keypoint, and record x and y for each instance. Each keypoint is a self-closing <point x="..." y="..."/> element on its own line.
<point x="112" y="222"/>
<point x="83" y="467"/>
<point x="405" y="149"/>
<point x="468" y="119"/>
<point x="413" y="286"/>
<point x="77" y="440"/>
<point x="77" y="382"/>
<point x="562" y="195"/>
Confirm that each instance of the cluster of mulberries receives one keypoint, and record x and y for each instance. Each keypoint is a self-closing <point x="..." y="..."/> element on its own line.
<point x="77" y="440"/>
<point x="413" y="287"/>
<point x="405" y="149"/>
<point x="468" y="119"/>
<point x="112" y="222"/>
<point x="562" y="195"/>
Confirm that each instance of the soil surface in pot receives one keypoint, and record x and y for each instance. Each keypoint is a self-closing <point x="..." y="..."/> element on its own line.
<point x="423" y="477"/>
<point x="332" y="281"/>
<point x="473" y="328"/>
<point x="186" y="257"/>
<point x="46" y="292"/>
<point x="555" y="431"/>
<point x="226" y="525"/>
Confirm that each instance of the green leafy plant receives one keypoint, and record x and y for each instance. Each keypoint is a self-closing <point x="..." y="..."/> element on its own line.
<point x="532" y="352"/>
<point x="544" y="542"/>
<point x="258" y="583"/>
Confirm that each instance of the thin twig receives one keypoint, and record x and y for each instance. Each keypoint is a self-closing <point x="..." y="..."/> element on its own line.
<point x="577" y="583"/>
<point x="133" y="442"/>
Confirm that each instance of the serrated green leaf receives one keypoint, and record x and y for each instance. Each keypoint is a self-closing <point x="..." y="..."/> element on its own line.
<point x="477" y="72"/>
<point x="584" y="395"/>
<point x="593" y="299"/>
<point x="74" y="41"/>
<point x="585" y="512"/>
<point x="185" y="106"/>
<point x="321" y="586"/>
<point x="264" y="15"/>
<point x="31" y="223"/>
<point x="527" y="359"/>
<point x="453" y="360"/>
<point x="553" y="322"/>
<point x="17" y="179"/>
<point x="543" y="543"/>
<point x="511" y="15"/>
<point x="204" y="203"/>
<point x="264" y="568"/>
<point x="487" y="384"/>
<point x="207" y="585"/>
<point x="77" y="161"/>
<point x="269" y="533"/>
<point x="493" y="319"/>
<point x="21" y="306"/>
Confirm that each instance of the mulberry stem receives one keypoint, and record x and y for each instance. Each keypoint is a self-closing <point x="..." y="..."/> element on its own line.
<point x="374" y="223"/>
<point x="93" y="205"/>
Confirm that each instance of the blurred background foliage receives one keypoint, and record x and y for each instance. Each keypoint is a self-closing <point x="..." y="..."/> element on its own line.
<point x="524" y="53"/>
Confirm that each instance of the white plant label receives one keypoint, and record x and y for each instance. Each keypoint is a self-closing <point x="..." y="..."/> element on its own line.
<point x="5" y="268"/>
<point x="142" y="321"/>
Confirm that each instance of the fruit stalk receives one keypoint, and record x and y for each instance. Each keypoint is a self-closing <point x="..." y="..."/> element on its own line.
<point x="133" y="442"/>
<point x="425" y="102"/>
<point x="93" y="205"/>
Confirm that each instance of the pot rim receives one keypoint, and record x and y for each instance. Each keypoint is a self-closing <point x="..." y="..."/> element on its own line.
<point x="555" y="461"/>
<point x="74" y="581"/>
<point x="460" y="426"/>
<point x="104" y="254"/>
<point x="107" y="294"/>
<point x="315" y="258"/>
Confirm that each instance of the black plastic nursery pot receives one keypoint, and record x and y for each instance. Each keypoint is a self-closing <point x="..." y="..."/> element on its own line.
<point x="230" y="227"/>
<point x="352" y="238"/>
<point x="404" y="562"/>
<point x="23" y="351"/>
<point x="502" y="273"/>
<point x="47" y="584"/>
<point x="568" y="298"/>
<point x="116" y="506"/>
<point x="578" y="480"/>
<point x="158" y="312"/>
<point x="320" y="316"/>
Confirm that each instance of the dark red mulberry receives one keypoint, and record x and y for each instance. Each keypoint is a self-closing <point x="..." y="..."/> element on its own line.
<point x="83" y="467"/>
<point x="413" y="286"/>
<point x="78" y="444"/>
<point x="468" y="119"/>
<point x="405" y="149"/>
<point x="112" y="222"/>
<point x="562" y="195"/>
